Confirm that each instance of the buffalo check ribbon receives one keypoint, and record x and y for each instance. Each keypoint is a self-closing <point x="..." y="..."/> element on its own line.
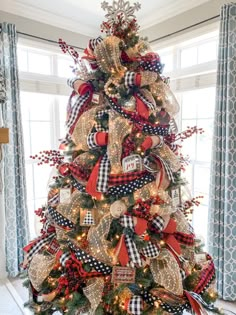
<point x="206" y="276"/>
<point x="135" y="306"/>
<point x="35" y="246"/>
<point x="126" y="249"/>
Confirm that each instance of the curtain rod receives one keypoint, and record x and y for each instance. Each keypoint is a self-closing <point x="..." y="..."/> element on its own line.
<point x="47" y="40"/>
<point x="184" y="29"/>
<point x="152" y="41"/>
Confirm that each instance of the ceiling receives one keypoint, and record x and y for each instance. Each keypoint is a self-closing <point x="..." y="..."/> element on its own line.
<point x="85" y="16"/>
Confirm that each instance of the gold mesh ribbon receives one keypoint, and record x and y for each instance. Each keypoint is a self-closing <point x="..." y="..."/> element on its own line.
<point x="83" y="127"/>
<point x="151" y="190"/>
<point x="182" y="223"/>
<point x="93" y="292"/>
<point x="72" y="210"/>
<point x="98" y="246"/>
<point x="107" y="54"/>
<point x="40" y="268"/>
<point x="162" y="209"/>
<point x="166" y="273"/>
<point x="168" y="155"/>
<point x="119" y="127"/>
<point x="148" y="77"/>
<point x="162" y="92"/>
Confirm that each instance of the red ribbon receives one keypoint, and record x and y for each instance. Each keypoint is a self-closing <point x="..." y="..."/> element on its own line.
<point x="169" y="237"/>
<point x="147" y="143"/>
<point x="141" y="108"/>
<point x="101" y="138"/>
<point x="84" y="88"/>
<point x="121" y="249"/>
<point x="91" y="186"/>
<point x="196" y="307"/>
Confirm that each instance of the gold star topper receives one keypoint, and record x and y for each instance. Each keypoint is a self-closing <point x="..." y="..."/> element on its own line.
<point x="120" y="8"/>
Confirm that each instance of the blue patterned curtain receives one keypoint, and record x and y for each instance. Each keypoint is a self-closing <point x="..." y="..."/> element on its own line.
<point x="14" y="188"/>
<point x="222" y="234"/>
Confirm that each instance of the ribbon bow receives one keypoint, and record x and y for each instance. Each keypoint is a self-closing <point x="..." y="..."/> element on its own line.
<point x="126" y="249"/>
<point x="173" y="237"/>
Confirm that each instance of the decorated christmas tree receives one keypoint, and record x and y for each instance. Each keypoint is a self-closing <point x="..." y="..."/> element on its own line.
<point x="116" y="237"/>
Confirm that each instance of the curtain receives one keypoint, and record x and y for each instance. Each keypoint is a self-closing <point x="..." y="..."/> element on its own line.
<point x="13" y="170"/>
<point x="222" y="215"/>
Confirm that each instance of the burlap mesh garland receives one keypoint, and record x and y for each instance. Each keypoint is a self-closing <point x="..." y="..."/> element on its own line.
<point x="40" y="268"/>
<point x="165" y="271"/>
<point x="93" y="292"/>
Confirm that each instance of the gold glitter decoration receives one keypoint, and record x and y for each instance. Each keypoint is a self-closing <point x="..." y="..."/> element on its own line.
<point x="161" y="209"/>
<point x="40" y="268"/>
<point x="162" y="92"/>
<point x="93" y="292"/>
<point x="72" y="210"/>
<point x="165" y="271"/>
<point x="188" y="253"/>
<point x="148" y="77"/>
<point x="98" y="246"/>
<point x="151" y="190"/>
<point x="168" y="156"/>
<point x="182" y="223"/>
<point x="119" y="127"/>
<point x="83" y="127"/>
<point x="107" y="54"/>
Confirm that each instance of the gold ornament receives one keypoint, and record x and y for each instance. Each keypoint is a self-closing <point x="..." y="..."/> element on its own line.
<point x="119" y="127"/>
<point x="118" y="208"/>
<point x="83" y="127"/>
<point x="163" y="93"/>
<point x="40" y="268"/>
<point x="166" y="272"/>
<point x="93" y="292"/>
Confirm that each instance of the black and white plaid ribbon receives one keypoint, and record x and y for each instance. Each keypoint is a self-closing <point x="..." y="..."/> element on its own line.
<point x="93" y="262"/>
<point x="64" y="257"/>
<point x="151" y="250"/>
<point x="150" y="105"/>
<point x="198" y="297"/>
<point x="103" y="174"/>
<point x="129" y="79"/>
<point x="167" y="169"/>
<point x="71" y="81"/>
<point x="81" y="100"/>
<point x="38" y="245"/>
<point x="158" y="223"/>
<point x="134" y="256"/>
<point x="91" y="142"/>
<point x="135" y="306"/>
<point x="94" y="42"/>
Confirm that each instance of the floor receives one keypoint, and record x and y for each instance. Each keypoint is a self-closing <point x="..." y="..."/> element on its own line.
<point x="13" y="295"/>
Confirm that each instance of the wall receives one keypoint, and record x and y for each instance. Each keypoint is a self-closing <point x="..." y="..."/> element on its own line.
<point x="203" y="12"/>
<point x="28" y="26"/>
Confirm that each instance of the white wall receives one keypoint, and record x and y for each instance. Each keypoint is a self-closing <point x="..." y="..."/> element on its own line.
<point x="28" y="26"/>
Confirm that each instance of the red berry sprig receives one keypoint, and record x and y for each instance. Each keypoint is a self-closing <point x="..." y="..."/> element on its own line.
<point x="68" y="49"/>
<point x="53" y="157"/>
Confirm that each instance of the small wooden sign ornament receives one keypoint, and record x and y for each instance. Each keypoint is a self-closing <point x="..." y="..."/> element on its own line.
<point x="132" y="163"/>
<point x="4" y="135"/>
<point x="65" y="195"/>
<point x="175" y="194"/>
<point x="123" y="275"/>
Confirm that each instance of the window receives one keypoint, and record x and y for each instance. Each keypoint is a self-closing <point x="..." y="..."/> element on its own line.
<point x="193" y="75"/>
<point x="44" y="96"/>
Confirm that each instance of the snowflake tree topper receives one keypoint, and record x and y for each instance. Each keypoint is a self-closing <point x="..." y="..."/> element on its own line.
<point x="120" y="8"/>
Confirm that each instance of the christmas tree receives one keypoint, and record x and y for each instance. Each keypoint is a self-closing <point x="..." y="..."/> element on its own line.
<point x="116" y="237"/>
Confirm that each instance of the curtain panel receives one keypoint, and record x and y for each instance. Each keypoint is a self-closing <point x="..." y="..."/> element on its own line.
<point x="13" y="170"/>
<point x="222" y="215"/>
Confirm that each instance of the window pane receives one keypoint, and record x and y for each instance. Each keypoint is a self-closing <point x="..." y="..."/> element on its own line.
<point x="207" y="52"/>
<point x="41" y="178"/>
<point x="36" y="106"/>
<point x="206" y="103"/>
<point x="39" y="63"/>
<point x="189" y="145"/>
<point x="167" y="60"/>
<point x="189" y="105"/>
<point x="63" y="100"/>
<point x="40" y="136"/>
<point x="22" y="60"/>
<point x="200" y="219"/>
<point x="204" y="140"/>
<point x="65" y="67"/>
<point x="188" y="57"/>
